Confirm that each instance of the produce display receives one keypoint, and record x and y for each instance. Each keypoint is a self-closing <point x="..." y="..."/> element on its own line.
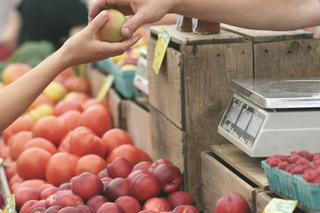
<point x="63" y="155"/>
<point x="296" y="176"/>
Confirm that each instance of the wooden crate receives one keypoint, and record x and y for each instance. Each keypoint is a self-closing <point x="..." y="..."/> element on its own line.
<point x="227" y="169"/>
<point x="282" y="55"/>
<point x="138" y="124"/>
<point x="191" y="92"/>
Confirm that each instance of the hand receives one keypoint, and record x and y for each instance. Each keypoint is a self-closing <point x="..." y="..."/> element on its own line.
<point x="83" y="47"/>
<point x="145" y="11"/>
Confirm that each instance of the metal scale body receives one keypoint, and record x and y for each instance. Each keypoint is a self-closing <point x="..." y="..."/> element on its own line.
<point x="265" y="117"/>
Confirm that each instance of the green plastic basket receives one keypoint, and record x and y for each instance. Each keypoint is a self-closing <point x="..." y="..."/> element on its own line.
<point x="293" y="186"/>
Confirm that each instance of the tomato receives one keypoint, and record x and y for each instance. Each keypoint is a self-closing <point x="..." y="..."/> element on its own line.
<point x="78" y="84"/>
<point x="17" y="143"/>
<point x="71" y="119"/>
<point x="127" y="151"/>
<point x="42" y="144"/>
<point x="65" y="106"/>
<point x="90" y="163"/>
<point x="114" y="138"/>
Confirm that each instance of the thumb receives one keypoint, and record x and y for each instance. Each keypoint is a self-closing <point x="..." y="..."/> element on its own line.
<point x="98" y="22"/>
<point x="132" y="24"/>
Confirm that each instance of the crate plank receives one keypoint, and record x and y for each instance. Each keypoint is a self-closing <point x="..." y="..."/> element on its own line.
<point x="193" y="39"/>
<point x="167" y="139"/>
<point x="290" y="59"/>
<point x="207" y="95"/>
<point x="217" y="180"/>
<point x="114" y="101"/>
<point x="96" y="79"/>
<point x="138" y="124"/>
<point x="249" y="167"/>
<point x="165" y="89"/>
<point x="266" y="35"/>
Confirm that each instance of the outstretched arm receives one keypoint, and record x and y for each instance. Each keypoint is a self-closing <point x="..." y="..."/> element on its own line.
<point x="254" y="14"/>
<point x="79" y="49"/>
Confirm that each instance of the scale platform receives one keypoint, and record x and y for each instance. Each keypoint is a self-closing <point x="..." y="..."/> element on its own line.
<point x="268" y="117"/>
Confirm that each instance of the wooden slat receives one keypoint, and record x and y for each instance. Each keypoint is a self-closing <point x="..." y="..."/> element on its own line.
<point x="165" y="89"/>
<point x="194" y="39"/>
<point x="139" y="126"/>
<point x="247" y="166"/>
<point x="208" y="72"/>
<point x="217" y="180"/>
<point x="262" y="201"/>
<point x="268" y="36"/>
<point x="167" y="139"/>
<point x="114" y="101"/>
<point x="287" y="59"/>
<point x="96" y="79"/>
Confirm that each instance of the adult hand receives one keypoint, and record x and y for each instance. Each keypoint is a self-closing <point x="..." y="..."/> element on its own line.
<point x="83" y="47"/>
<point x="144" y="11"/>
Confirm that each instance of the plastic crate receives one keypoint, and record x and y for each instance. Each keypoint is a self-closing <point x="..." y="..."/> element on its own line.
<point x="123" y="80"/>
<point x="293" y="186"/>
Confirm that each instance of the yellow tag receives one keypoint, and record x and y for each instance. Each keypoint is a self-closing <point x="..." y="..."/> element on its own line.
<point x="1" y="162"/>
<point x="160" y="50"/>
<point x="105" y="87"/>
<point x="280" y="206"/>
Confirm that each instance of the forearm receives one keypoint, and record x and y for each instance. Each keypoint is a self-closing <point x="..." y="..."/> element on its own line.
<point x="17" y="96"/>
<point x="255" y="14"/>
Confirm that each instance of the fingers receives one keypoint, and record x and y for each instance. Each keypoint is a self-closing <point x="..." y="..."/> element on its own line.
<point x="96" y="8"/>
<point x="118" y="48"/>
<point x="133" y="24"/>
<point x="98" y="22"/>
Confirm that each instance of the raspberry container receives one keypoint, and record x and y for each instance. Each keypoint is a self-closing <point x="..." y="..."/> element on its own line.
<point x="293" y="186"/>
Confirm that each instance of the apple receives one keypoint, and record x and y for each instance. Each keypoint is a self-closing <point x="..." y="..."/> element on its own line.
<point x="147" y="211"/>
<point x="103" y="173"/>
<point x="144" y="187"/>
<point x="232" y="203"/>
<point x="116" y="188"/>
<point x="111" y="31"/>
<point x="96" y="202"/>
<point x="110" y="208"/>
<point x="65" y="186"/>
<point x="119" y="167"/>
<point x="86" y="185"/>
<point x="186" y="209"/>
<point x="135" y="173"/>
<point x="157" y="204"/>
<point x="129" y="204"/>
<point x="179" y="198"/>
<point x="169" y="177"/>
<point x="158" y="163"/>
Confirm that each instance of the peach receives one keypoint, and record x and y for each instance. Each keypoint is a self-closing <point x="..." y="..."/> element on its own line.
<point x="96" y="202"/>
<point x="119" y="167"/>
<point x="129" y="204"/>
<point x="25" y="194"/>
<point x="31" y="205"/>
<point x="116" y="188"/>
<point x="157" y="204"/>
<point x="111" y="31"/>
<point x="110" y="208"/>
<point x="45" y="193"/>
<point x="179" y="198"/>
<point x="86" y="185"/>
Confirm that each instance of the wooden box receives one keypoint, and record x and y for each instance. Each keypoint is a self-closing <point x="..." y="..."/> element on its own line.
<point x="190" y="94"/>
<point x="138" y="124"/>
<point x="227" y="169"/>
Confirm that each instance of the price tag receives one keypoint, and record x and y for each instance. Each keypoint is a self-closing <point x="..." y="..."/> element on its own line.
<point x="280" y="206"/>
<point x="105" y="87"/>
<point x="160" y="50"/>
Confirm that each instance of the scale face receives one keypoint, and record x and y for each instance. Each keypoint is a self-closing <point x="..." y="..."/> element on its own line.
<point x="273" y="117"/>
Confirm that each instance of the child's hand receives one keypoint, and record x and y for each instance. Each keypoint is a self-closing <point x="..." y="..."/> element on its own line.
<point x="83" y="47"/>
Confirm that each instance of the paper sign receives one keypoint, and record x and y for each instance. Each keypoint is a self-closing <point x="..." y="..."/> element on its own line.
<point x="160" y="50"/>
<point x="281" y="206"/>
<point x="105" y="87"/>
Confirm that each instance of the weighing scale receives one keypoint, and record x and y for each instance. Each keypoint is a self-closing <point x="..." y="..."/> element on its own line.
<point x="267" y="117"/>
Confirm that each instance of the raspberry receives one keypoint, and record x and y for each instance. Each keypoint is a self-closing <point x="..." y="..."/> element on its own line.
<point x="283" y="165"/>
<point x="305" y="154"/>
<point x="302" y="161"/>
<point x="311" y="175"/>
<point x="273" y="161"/>
<point x="294" y="158"/>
